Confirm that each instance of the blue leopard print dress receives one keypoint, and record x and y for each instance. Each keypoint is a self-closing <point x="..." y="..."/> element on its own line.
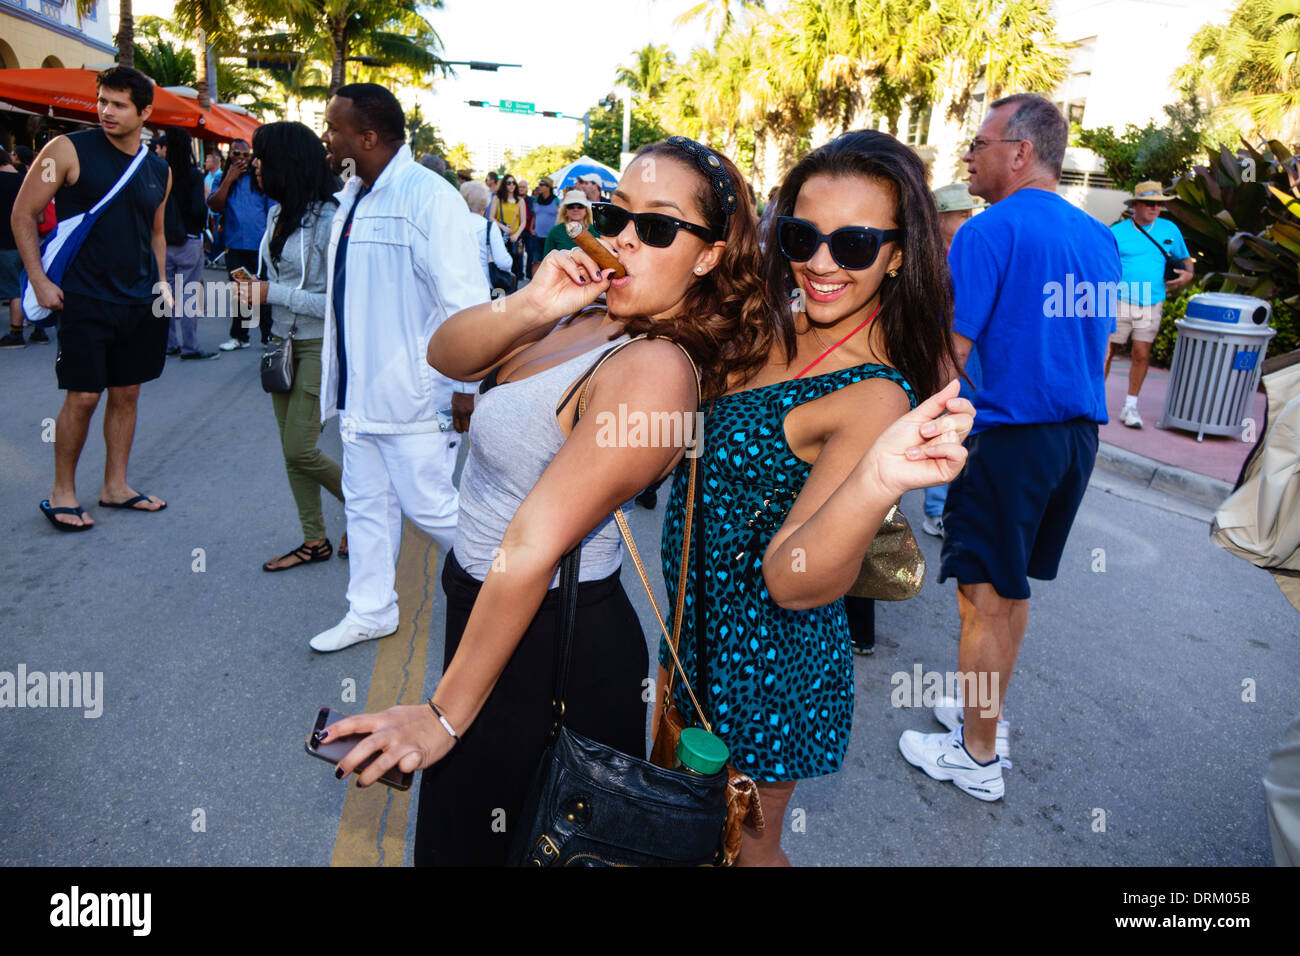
<point x="780" y="681"/>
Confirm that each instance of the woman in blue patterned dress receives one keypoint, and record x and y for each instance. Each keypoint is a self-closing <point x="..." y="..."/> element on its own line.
<point x="790" y="488"/>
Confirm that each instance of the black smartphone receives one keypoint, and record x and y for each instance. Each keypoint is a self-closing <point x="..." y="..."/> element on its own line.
<point x="335" y="749"/>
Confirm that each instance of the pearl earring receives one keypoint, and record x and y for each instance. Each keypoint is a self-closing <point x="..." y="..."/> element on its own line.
<point x="699" y="270"/>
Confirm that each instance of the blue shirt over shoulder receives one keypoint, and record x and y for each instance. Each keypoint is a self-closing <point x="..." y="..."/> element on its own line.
<point x="1036" y="282"/>
<point x="1143" y="265"/>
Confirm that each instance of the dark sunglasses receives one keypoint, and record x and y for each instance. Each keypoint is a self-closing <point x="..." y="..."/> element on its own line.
<point x="852" y="248"/>
<point x="652" y="228"/>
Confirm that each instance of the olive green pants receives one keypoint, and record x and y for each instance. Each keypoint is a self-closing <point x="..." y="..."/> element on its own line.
<point x="297" y="412"/>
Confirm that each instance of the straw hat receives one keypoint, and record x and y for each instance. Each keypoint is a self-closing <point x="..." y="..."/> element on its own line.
<point x="1149" y="191"/>
<point x="956" y="197"/>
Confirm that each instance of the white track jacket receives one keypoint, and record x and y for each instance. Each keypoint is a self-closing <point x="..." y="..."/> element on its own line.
<point x="412" y="260"/>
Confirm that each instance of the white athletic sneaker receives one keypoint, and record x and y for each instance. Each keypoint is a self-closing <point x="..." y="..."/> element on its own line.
<point x="933" y="525"/>
<point x="231" y="344"/>
<point x="951" y="713"/>
<point x="944" y="757"/>
<point x="1130" y="417"/>
<point x="345" y="634"/>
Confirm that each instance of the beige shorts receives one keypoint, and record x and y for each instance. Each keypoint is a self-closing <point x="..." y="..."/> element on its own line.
<point x="1142" y="320"/>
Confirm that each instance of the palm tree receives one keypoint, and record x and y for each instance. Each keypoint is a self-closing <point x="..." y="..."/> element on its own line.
<point x="649" y="75"/>
<point x="209" y="22"/>
<point x="388" y="34"/>
<point x="718" y="11"/>
<point x="1249" y="69"/>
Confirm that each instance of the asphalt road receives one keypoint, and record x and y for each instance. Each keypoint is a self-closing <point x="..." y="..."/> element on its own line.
<point x="1127" y="706"/>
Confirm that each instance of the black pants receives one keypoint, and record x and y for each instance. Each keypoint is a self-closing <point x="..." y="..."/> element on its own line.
<point x="248" y="259"/>
<point x="471" y="801"/>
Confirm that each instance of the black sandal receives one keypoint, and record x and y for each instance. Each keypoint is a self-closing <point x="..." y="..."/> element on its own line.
<point x="305" y="553"/>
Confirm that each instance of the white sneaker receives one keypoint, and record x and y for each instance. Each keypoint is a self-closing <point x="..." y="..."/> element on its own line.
<point x="933" y="525"/>
<point x="231" y="344"/>
<point x="344" y="634"/>
<point x="952" y="712"/>
<point x="1130" y="417"/>
<point x="944" y="757"/>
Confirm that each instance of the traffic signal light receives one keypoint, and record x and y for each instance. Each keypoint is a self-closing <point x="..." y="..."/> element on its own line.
<point x="478" y="102"/>
<point x="551" y="113"/>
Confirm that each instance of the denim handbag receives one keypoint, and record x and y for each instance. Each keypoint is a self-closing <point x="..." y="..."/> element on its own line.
<point x="591" y="805"/>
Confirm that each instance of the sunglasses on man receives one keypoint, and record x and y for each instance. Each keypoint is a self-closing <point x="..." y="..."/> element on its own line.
<point x="853" y="247"/>
<point x="652" y="228"/>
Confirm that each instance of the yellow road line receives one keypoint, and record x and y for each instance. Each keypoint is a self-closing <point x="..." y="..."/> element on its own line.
<point x="372" y="826"/>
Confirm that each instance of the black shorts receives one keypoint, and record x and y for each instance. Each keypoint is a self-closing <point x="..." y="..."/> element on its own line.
<point x="108" y="344"/>
<point x="1010" y="510"/>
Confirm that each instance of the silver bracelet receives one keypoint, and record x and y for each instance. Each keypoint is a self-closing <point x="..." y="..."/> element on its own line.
<point x="443" y="720"/>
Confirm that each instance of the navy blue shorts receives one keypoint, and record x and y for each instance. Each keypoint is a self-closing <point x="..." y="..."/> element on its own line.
<point x="1011" y="508"/>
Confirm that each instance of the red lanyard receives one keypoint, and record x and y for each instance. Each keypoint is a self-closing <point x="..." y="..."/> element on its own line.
<point x="840" y="342"/>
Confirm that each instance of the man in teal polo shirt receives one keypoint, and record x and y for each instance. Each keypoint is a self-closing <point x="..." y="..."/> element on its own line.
<point x="1145" y="243"/>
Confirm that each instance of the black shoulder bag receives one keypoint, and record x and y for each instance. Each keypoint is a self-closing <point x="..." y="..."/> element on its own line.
<point x="1172" y="266"/>
<point x="500" y="278"/>
<point x="591" y="805"/>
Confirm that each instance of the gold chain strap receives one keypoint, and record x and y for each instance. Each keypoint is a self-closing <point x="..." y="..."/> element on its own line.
<point x="675" y="636"/>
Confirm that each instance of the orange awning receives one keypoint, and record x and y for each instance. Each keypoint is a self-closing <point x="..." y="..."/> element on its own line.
<point x="71" y="94"/>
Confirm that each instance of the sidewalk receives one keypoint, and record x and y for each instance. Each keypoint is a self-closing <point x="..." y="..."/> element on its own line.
<point x="1170" y="459"/>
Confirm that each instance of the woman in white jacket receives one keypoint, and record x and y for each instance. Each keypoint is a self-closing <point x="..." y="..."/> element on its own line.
<point x="290" y="165"/>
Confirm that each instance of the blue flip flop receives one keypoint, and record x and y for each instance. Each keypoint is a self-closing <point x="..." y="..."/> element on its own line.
<point x="130" y="504"/>
<point x="63" y="525"/>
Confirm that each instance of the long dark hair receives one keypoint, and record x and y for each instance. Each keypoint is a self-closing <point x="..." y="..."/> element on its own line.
<point x="726" y="317"/>
<point x="501" y="187"/>
<point x="295" y="173"/>
<point x="179" y="144"/>
<point x="916" y="305"/>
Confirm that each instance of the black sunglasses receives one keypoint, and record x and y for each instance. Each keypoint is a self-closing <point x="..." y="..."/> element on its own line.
<point x="652" y="228"/>
<point x="852" y="248"/>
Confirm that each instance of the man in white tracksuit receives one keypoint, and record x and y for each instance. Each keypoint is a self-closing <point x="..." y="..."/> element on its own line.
<point x="402" y="258"/>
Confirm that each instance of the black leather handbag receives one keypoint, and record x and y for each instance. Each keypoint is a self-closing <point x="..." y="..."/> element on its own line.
<point x="591" y="805"/>
<point x="499" y="278"/>
<point x="277" y="364"/>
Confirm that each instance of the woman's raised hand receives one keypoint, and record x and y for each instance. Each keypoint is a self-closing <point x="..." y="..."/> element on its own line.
<point x="924" y="447"/>
<point x="566" y="281"/>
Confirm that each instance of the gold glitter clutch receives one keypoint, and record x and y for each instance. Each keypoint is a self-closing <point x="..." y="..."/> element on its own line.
<point x="894" y="568"/>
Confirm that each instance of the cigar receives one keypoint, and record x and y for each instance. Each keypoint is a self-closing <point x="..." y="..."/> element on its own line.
<point x="588" y="244"/>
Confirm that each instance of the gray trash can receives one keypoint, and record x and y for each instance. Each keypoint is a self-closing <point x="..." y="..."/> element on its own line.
<point x="1216" y="366"/>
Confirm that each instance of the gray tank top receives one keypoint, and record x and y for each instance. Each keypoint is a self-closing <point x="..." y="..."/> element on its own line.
<point x="513" y="435"/>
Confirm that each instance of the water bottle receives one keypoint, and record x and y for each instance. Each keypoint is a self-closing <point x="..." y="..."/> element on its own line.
<point x="700" y="752"/>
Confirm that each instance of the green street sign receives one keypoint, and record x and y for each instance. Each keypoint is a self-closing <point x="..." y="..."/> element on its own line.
<point x="515" y="106"/>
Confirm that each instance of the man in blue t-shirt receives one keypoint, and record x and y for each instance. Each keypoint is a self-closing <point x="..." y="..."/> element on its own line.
<point x="243" y="207"/>
<point x="1035" y="282"/>
<point x="1145" y="243"/>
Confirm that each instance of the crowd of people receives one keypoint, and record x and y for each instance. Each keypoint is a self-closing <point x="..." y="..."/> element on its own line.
<point x="829" y="348"/>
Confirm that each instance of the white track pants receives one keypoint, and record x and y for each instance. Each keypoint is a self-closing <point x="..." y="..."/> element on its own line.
<point x="384" y="476"/>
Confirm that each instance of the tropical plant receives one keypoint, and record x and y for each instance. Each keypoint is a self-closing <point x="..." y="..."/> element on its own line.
<point x="209" y="22"/>
<point x="386" y="36"/>
<point x="1249" y="68"/>
<point x="538" y="162"/>
<point x="165" y="63"/>
<point x="1240" y="216"/>
<point x="648" y="75"/>
<point x="423" y="137"/>
<point x="459" y="157"/>
<point x="605" y="143"/>
<point x="716" y="12"/>
<point x="1158" y="153"/>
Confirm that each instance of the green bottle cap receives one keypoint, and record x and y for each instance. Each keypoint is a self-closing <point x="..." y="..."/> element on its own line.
<point x="701" y="751"/>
